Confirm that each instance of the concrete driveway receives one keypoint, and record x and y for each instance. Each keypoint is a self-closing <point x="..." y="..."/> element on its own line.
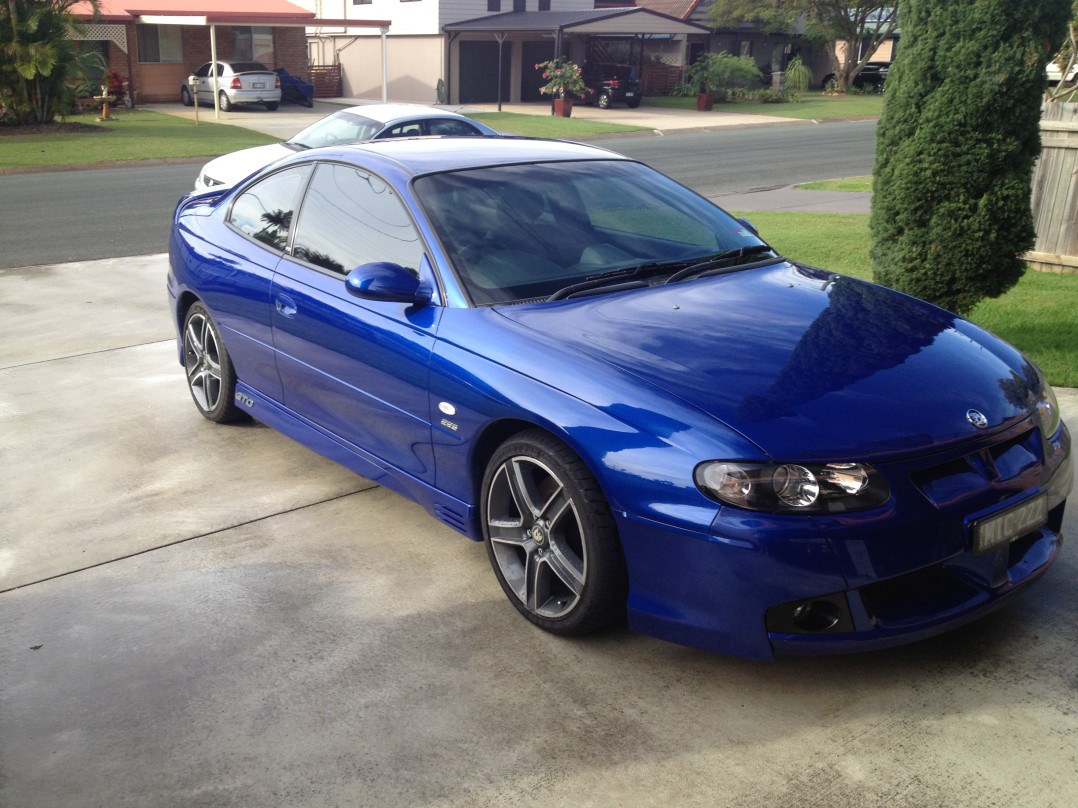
<point x="194" y="615"/>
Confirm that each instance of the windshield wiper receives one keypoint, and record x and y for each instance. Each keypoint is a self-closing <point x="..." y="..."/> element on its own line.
<point x="712" y="265"/>
<point x="623" y="278"/>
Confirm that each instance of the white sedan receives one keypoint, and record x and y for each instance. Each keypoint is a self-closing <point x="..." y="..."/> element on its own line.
<point x="237" y="83"/>
<point x="351" y="125"/>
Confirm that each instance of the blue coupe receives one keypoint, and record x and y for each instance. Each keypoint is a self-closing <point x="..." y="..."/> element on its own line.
<point x="637" y="404"/>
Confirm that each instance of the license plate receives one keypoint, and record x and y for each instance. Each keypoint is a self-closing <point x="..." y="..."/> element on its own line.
<point x="1009" y="525"/>
<point x="258" y="85"/>
<point x="629" y="95"/>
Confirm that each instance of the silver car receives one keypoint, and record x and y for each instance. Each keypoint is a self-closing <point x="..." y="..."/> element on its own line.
<point x="237" y="83"/>
<point x="350" y="125"/>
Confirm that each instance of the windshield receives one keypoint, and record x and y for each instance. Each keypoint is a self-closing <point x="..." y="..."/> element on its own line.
<point x="528" y="232"/>
<point x="340" y="127"/>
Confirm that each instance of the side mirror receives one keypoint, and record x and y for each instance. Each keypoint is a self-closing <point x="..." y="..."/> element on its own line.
<point x="749" y="225"/>
<point x="390" y="282"/>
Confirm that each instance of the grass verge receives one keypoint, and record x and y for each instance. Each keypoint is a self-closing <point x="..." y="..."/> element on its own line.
<point x="549" y="125"/>
<point x="1036" y="316"/>
<point x="846" y="184"/>
<point x="811" y="106"/>
<point x="136" y="134"/>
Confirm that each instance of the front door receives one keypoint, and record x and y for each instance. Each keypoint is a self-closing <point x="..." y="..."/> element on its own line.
<point x="356" y="369"/>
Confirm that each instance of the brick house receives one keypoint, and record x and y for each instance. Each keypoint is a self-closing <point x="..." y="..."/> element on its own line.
<point x="156" y="44"/>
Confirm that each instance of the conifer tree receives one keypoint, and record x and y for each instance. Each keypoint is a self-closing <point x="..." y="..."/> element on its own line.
<point x="956" y="146"/>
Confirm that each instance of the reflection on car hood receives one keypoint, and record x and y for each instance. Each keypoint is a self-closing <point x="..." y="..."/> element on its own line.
<point x="231" y="168"/>
<point x="805" y="364"/>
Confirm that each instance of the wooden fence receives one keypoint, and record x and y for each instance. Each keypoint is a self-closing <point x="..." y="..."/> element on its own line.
<point x="1055" y="191"/>
<point x="326" y="80"/>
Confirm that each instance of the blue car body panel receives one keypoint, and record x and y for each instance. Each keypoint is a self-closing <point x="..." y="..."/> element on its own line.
<point x="779" y="362"/>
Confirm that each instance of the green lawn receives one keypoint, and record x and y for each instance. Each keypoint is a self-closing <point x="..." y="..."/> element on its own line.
<point x="812" y="106"/>
<point x="1037" y="315"/>
<point x="133" y="135"/>
<point x="145" y="135"/>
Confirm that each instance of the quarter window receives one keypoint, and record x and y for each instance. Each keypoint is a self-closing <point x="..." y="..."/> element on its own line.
<point x="264" y="211"/>
<point x="350" y="218"/>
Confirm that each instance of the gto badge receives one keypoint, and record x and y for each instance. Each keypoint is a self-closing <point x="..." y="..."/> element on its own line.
<point x="977" y="418"/>
<point x="246" y="401"/>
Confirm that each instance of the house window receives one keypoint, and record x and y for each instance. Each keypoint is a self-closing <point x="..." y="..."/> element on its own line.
<point x="544" y="5"/>
<point x="253" y="44"/>
<point x="159" y="44"/>
<point x="494" y="5"/>
<point x="520" y="5"/>
<point x="362" y="2"/>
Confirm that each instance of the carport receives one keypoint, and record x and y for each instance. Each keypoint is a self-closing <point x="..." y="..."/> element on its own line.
<point x="481" y="61"/>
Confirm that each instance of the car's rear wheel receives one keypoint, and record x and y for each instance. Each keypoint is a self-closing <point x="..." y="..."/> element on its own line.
<point x="210" y="376"/>
<point x="185" y="97"/>
<point x="225" y="104"/>
<point x="634" y="103"/>
<point x="551" y="538"/>
<point x="604" y="100"/>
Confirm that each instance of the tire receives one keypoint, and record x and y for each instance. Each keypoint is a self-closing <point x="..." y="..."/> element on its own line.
<point x="210" y="376"/>
<point x="604" y="101"/>
<point x="551" y="538"/>
<point x="634" y="103"/>
<point x="185" y="97"/>
<point x="272" y="106"/>
<point x="225" y="104"/>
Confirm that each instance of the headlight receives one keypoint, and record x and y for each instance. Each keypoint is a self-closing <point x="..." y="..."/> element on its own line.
<point x="793" y="487"/>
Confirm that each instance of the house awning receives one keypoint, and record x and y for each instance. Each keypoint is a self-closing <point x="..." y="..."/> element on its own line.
<point x="611" y="21"/>
<point x="278" y="13"/>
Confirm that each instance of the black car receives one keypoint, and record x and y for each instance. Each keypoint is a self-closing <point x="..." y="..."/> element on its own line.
<point x="611" y="83"/>
<point x="872" y="77"/>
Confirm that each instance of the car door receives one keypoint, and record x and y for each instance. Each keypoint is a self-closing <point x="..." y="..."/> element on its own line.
<point x="205" y="79"/>
<point x="356" y="368"/>
<point x="237" y="265"/>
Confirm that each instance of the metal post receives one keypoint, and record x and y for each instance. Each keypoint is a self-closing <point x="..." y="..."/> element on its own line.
<point x="501" y="40"/>
<point x="385" y="68"/>
<point x="213" y="70"/>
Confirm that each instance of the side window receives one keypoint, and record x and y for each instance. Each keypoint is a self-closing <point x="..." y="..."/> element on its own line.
<point x="203" y="71"/>
<point x="411" y="129"/>
<point x="349" y="218"/>
<point x="451" y="128"/>
<point x="264" y="211"/>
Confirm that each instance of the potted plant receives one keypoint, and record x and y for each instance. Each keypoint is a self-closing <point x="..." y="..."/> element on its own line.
<point x="714" y="73"/>
<point x="564" y="80"/>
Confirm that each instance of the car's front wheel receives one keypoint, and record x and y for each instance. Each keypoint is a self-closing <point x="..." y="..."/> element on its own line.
<point x="551" y="538"/>
<point x="185" y="97"/>
<point x="210" y="376"/>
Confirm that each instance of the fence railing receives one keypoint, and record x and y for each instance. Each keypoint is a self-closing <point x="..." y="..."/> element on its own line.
<point x="1055" y="191"/>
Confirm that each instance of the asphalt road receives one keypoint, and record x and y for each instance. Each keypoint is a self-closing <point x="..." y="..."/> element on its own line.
<point x="57" y="217"/>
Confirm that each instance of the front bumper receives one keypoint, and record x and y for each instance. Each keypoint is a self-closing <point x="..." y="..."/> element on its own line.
<point x="760" y="585"/>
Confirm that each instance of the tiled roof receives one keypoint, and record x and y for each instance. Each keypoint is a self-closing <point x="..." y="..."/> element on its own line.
<point x="129" y="9"/>
<point x="681" y="9"/>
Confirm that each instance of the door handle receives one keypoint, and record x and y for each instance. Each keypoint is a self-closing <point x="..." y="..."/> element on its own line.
<point x="286" y="307"/>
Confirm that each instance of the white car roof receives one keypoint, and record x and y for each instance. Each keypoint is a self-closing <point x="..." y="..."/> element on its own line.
<point x="387" y="113"/>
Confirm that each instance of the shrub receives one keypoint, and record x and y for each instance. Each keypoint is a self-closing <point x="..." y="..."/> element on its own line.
<point x="956" y="145"/>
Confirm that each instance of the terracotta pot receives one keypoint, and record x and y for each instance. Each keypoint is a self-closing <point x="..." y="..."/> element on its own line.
<point x="704" y="102"/>
<point x="563" y="107"/>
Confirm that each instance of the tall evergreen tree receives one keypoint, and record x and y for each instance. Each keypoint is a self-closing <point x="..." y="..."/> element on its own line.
<point x="956" y="146"/>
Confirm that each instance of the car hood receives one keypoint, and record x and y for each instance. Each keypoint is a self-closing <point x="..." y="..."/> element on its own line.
<point x="806" y="364"/>
<point x="231" y="168"/>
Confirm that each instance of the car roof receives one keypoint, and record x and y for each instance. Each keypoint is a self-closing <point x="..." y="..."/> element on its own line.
<point x="388" y="113"/>
<point x="427" y="155"/>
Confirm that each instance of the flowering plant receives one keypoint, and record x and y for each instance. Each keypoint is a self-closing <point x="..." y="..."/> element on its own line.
<point x="563" y="78"/>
